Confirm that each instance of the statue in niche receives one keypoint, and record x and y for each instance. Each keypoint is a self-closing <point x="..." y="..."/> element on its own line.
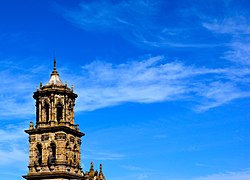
<point x="38" y="157"/>
<point x="51" y="160"/>
<point x="38" y="151"/>
<point x="70" y="159"/>
<point x="52" y="155"/>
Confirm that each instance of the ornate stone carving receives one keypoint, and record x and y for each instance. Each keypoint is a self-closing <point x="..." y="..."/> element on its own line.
<point x="60" y="136"/>
<point x="45" y="137"/>
<point x="79" y="141"/>
<point x="72" y="139"/>
<point x="32" y="139"/>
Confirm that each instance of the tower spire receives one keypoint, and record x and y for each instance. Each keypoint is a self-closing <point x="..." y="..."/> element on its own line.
<point x="54" y="70"/>
<point x="54" y="63"/>
<point x="54" y="77"/>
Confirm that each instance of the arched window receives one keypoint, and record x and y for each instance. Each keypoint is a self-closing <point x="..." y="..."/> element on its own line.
<point x="39" y="154"/>
<point x="53" y="148"/>
<point x="52" y="154"/>
<point x="59" y="109"/>
<point x="67" y="150"/>
<point x="46" y="112"/>
<point x="67" y="145"/>
<point x="75" y="154"/>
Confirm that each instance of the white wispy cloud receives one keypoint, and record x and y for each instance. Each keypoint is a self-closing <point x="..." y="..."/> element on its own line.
<point x="13" y="153"/>
<point x="134" y="168"/>
<point x="218" y="93"/>
<point x="154" y="79"/>
<point x="237" y="25"/>
<point x="110" y="15"/>
<point x="13" y="157"/>
<point x="238" y="175"/>
<point x="139" y="22"/>
<point x="103" y="156"/>
<point x="18" y="82"/>
<point x="143" y="80"/>
<point x="142" y="29"/>
<point x="147" y="24"/>
<point x="147" y="79"/>
<point x="12" y="134"/>
<point x="240" y="51"/>
<point x="238" y="28"/>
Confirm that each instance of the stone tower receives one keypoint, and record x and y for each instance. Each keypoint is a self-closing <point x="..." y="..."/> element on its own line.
<point x="55" y="140"/>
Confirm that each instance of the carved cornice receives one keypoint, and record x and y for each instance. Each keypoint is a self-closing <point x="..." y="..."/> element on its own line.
<point x="59" y="90"/>
<point x="53" y="175"/>
<point x="55" y="129"/>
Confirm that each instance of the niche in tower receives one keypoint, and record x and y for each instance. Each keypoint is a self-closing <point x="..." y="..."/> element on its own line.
<point x="39" y="154"/>
<point x="75" y="156"/>
<point x="67" y="151"/>
<point x="53" y="148"/>
<point x="46" y="106"/>
<point x="59" y="112"/>
<point x="52" y="155"/>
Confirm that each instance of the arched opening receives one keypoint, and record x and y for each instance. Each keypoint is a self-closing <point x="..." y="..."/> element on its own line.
<point x="53" y="149"/>
<point x="39" y="154"/>
<point x="70" y="108"/>
<point x="52" y="154"/>
<point x="59" y="110"/>
<point x="75" y="154"/>
<point x="67" y="145"/>
<point x="47" y="112"/>
<point x="67" y="151"/>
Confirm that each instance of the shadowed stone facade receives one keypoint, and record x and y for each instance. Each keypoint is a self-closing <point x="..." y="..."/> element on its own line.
<point x="55" y="140"/>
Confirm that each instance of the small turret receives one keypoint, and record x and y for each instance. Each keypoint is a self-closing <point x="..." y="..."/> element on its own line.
<point x="91" y="171"/>
<point x="101" y="175"/>
<point x="93" y="174"/>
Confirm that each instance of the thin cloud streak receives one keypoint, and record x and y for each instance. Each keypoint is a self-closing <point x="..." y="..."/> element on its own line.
<point x="238" y="28"/>
<point x="152" y="79"/>
<point x="240" y="175"/>
<point x="104" y="156"/>
<point x="13" y="134"/>
<point x="110" y="15"/>
<point x="13" y="153"/>
<point x="145" y="80"/>
<point x="235" y="26"/>
<point x="136" y="21"/>
<point x="16" y="88"/>
<point x="13" y="156"/>
<point x="218" y="93"/>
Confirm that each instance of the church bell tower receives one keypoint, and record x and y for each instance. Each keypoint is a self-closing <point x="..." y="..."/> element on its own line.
<point x="55" y="140"/>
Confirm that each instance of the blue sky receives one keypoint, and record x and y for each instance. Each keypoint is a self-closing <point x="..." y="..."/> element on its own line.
<point x="163" y="85"/>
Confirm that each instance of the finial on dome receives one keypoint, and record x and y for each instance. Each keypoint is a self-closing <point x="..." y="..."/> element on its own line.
<point x="54" y="77"/>
<point x="54" y="70"/>
<point x="100" y="168"/>
<point x="54" y="63"/>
